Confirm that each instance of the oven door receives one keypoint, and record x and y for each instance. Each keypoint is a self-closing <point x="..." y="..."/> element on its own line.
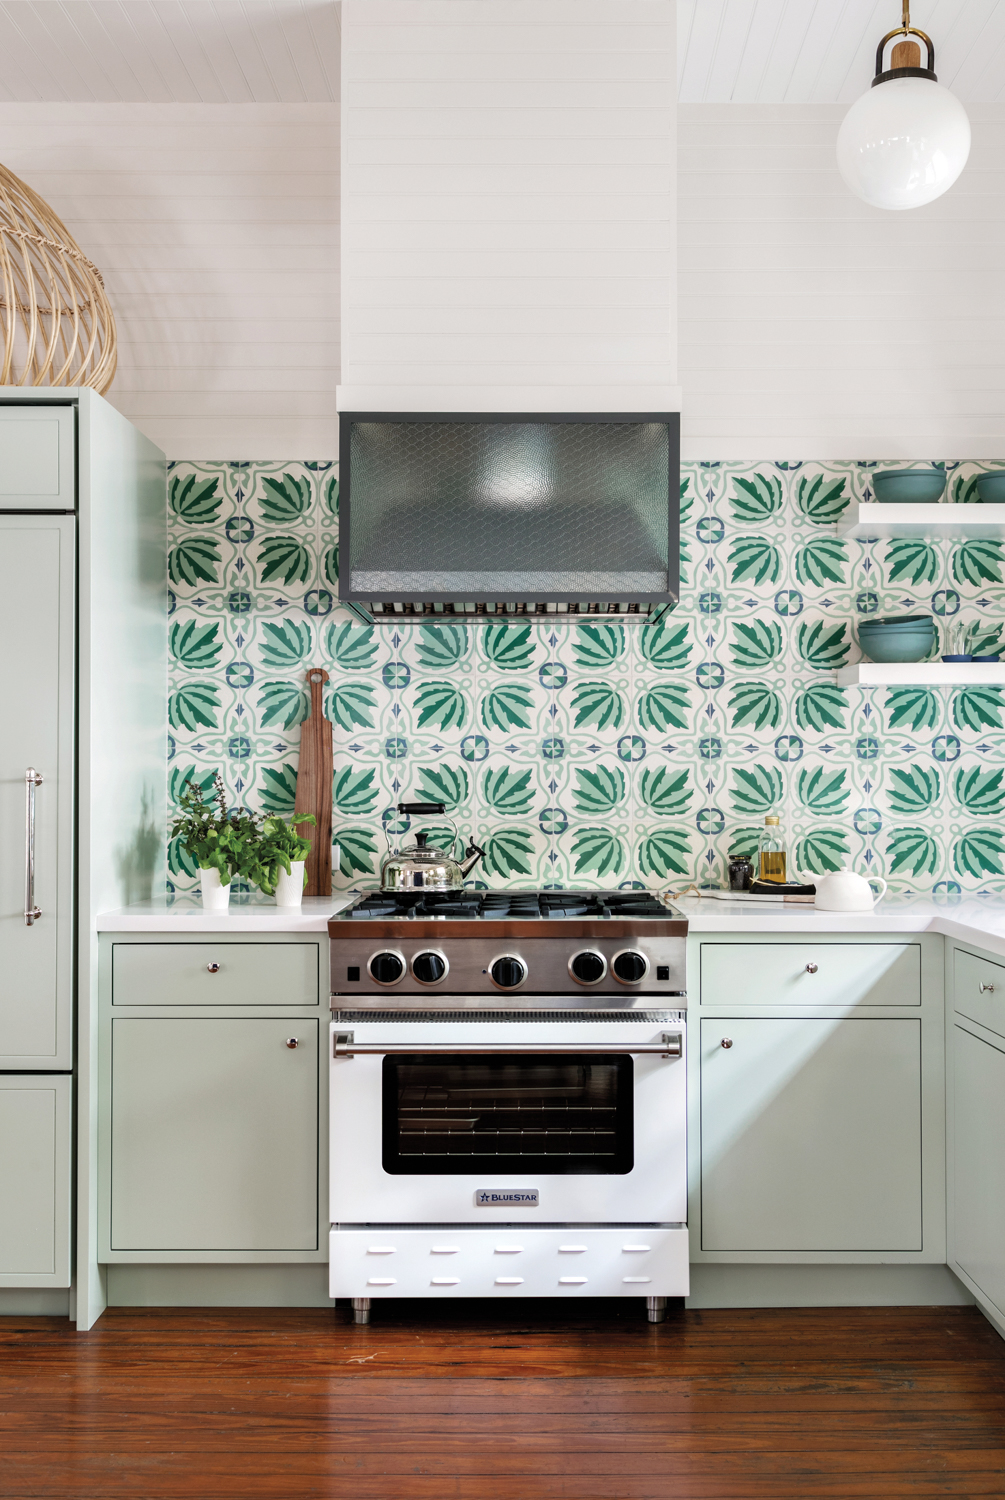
<point x="536" y="1121"/>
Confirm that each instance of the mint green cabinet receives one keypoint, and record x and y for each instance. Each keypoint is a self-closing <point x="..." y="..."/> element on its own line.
<point x="810" y="1134"/>
<point x="35" y="1130"/>
<point x="213" y="1135"/>
<point x="37" y="569"/>
<point x="37" y="470"/>
<point x="978" y="1198"/>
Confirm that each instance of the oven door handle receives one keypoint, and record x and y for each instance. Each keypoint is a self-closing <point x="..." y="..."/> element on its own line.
<point x="345" y="1045"/>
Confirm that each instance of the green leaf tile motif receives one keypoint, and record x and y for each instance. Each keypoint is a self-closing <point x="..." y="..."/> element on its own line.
<point x="193" y="561"/>
<point x="757" y="497"/>
<point x="508" y="791"/>
<point x="664" y="706"/>
<point x="195" y="646"/>
<point x="443" y="783"/>
<point x="441" y="646"/>
<point x="283" y="703"/>
<point x="601" y="751"/>
<point x="912" y="851"/>
<point x="600" y="789"/>
<point x="507" y="707"/>
<point x="195" y="500"/>
<point x="285" y="500"/>
<point x="821" y="708"/>
<point x="912" y="708"/>
<point x="440" y="705"/>
<point x="597" y="704"/>
<point x="756" y="704"/>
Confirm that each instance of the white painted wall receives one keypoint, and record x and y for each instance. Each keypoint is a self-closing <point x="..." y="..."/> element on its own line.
<point x="216" y="229"/>
<point x="508" y="205"/>
<point x="814" y="326"/>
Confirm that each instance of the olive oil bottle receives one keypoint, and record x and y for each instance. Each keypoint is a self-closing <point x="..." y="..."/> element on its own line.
<point x="771" y="852"/>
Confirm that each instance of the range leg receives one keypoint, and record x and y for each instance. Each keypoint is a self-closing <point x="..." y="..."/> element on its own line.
<point x="361" y="1309"/>
<point x="656" y="1309"/>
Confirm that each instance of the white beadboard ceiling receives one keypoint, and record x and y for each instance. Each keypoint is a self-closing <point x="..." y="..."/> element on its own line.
<point x="823" y="51"/>
<point x="169" y="51"/>
<point x="287" y="51"/>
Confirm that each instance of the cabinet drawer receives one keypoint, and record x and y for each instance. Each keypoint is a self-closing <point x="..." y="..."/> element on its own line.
<point x="810" y="974"/>
<point x="215" y="973"/>
<point x="979" y="991"/>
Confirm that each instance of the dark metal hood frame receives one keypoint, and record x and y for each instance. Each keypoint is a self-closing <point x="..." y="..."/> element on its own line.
<point x="473" y="514"/>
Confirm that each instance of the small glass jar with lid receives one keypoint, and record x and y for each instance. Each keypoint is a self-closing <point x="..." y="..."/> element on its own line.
<point x="771" y="851"/>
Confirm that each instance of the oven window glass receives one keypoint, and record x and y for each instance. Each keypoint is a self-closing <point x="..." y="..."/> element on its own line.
<point x="508" y="1114"/>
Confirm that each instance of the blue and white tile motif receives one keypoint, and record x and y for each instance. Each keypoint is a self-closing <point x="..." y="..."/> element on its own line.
<point x="599" y="753"/>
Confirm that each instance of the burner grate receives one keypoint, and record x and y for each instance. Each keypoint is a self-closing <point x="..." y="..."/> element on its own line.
<point x="523" y="906"/>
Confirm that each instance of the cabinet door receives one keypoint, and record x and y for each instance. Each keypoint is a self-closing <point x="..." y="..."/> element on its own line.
<point x="35" y="1180"/>
<point x="36" y="730"/>
<point x="37" y="465"/>
<point x="979" y="1163"/>
<point x="811" y="1134"/>
<point x="214" y="1134"/>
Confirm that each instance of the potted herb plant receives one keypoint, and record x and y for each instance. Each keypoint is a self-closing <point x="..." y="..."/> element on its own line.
<point x="224" y="842"/>
<point x="284" y="852"/>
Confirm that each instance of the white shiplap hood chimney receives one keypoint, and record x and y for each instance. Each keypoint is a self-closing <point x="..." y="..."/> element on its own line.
<point x="509" y="206"/>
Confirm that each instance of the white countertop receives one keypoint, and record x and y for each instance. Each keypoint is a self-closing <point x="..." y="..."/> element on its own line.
<point x="257" y="914"/>
<point x="973" y="919"/>
<point x="979" y="920"/>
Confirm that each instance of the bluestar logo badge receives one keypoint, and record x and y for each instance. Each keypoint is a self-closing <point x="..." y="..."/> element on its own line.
<point x="507" y="1198"/>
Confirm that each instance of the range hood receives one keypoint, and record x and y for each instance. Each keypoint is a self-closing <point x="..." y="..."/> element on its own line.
<point x="508" y="404"/>
<point x="476" y="514"/>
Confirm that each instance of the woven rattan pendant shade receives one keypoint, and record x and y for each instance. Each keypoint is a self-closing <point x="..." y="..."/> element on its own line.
<point x="56" y="323"/>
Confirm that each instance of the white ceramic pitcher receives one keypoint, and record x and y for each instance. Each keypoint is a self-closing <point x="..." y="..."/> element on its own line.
<point x="843" y="890"/>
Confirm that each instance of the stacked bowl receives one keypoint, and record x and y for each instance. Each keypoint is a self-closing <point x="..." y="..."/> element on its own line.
<point x="904" y="638"/>
<point x="909" y="486"/>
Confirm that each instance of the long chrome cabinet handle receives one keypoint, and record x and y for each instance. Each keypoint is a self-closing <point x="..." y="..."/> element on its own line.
<point x="31" y="912"/>
<point x="344" y="1045"/>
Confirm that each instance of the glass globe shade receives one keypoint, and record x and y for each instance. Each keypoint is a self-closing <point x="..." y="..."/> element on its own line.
<point x="903" y="143"/>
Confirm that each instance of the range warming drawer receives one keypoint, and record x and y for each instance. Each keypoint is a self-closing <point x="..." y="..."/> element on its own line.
<point x="505" y="1261"/>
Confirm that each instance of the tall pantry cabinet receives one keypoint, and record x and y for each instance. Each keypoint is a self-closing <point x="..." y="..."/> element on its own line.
<point x="83" y="647"/>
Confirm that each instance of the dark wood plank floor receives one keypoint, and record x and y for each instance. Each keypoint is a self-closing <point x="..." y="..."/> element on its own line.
<point x="525" y="1402"/>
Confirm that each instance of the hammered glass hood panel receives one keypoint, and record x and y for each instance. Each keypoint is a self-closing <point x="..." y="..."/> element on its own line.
<point x="517" y="509"/>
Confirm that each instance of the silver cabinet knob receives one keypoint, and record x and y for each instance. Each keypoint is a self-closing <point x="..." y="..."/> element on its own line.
<point x="987" y="989"/>
<point x="212" y="968"/>
<point x="726" y="1042"/>
<point x="811" y="968"/>
<point x="292" y="1041"/>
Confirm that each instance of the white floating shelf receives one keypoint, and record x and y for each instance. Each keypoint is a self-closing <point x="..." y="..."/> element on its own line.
<point x="921" y="674"/>
<point x="938" y="520"/>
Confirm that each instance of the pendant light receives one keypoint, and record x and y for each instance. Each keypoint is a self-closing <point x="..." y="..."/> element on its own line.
<point x="906" y="141"/>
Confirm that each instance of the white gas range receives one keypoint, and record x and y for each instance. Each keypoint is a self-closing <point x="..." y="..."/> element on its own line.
<point x="508" y="1104"/>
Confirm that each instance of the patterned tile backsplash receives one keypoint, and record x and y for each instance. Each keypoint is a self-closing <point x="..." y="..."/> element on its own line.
<point x="598" y="753"/>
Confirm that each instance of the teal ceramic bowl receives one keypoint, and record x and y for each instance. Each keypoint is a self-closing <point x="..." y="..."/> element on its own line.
<point x="908" y="486"/>
<point x="897" y="640"/>
<point x="991" y="488"/>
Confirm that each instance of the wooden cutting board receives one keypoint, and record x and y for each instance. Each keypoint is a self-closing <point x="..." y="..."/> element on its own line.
<point x="314" y="786"/>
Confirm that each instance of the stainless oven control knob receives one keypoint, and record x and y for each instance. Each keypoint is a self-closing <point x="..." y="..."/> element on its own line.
<point x="588" y="967"/>
<point x="386" y="968"/>
<point x="429" y="968"/>
<point x="508" y="972"/>
<point x="630" y="966"/>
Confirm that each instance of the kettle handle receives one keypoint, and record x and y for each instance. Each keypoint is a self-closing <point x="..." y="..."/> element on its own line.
<point x="422" y="809"/>
<point x="877" y="880"/>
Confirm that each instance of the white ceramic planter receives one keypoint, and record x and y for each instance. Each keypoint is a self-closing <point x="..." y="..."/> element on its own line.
<point x="215" y="897"/>
<point x="290" y="888"/>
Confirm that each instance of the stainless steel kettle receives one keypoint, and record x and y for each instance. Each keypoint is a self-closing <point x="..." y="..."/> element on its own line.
<point x="420" y="866"/>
